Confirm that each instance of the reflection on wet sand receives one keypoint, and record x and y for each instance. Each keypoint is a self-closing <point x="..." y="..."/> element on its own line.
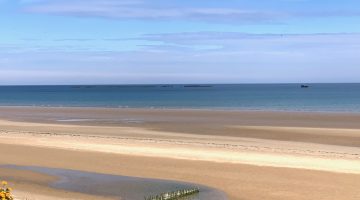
<point x="118" y="187"/>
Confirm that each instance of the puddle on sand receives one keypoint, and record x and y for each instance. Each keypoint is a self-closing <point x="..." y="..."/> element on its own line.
<point x="122" y="187"/>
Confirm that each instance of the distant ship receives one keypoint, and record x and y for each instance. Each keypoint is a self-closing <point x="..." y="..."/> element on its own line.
<point x="305" y="86"/>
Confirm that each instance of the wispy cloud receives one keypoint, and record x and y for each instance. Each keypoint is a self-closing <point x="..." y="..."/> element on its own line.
<point x="147" y="10"/>
<point x="163" y="10"/>
<point x="235" y="41"/>
<point x="181" y="46"/>
<point x="225" y="57"/>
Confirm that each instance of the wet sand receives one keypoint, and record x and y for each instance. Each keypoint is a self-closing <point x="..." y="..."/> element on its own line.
<point x="248" y="155"/>
<point x="202" y="122"/>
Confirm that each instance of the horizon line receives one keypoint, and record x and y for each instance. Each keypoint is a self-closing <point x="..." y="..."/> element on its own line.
<point x="135" y="84"/>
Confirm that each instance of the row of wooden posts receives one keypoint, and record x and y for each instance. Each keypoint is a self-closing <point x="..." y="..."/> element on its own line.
<point x="174" y="195"/>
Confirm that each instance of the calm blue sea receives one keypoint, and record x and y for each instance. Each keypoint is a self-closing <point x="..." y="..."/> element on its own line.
<point x="285" y="97"/>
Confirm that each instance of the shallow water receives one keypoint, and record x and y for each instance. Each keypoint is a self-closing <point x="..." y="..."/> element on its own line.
<point x="121" y="187"/>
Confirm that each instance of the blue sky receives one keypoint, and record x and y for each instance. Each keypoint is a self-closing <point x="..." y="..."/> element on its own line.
<point x="179" y="41"/>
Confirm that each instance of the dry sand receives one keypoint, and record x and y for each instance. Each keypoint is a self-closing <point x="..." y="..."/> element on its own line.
<point x="249" y="155"/>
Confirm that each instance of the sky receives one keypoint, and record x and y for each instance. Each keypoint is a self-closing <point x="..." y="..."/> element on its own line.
<point x="178" y="41"/>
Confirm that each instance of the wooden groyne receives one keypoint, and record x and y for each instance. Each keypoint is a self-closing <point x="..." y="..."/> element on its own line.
<point x="174" y="195"/>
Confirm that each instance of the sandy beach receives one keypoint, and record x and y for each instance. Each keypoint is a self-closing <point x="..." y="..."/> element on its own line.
<point x="247" y="154"/>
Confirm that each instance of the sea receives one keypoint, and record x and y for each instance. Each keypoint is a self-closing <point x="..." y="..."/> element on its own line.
<point x="267" y="97"/>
